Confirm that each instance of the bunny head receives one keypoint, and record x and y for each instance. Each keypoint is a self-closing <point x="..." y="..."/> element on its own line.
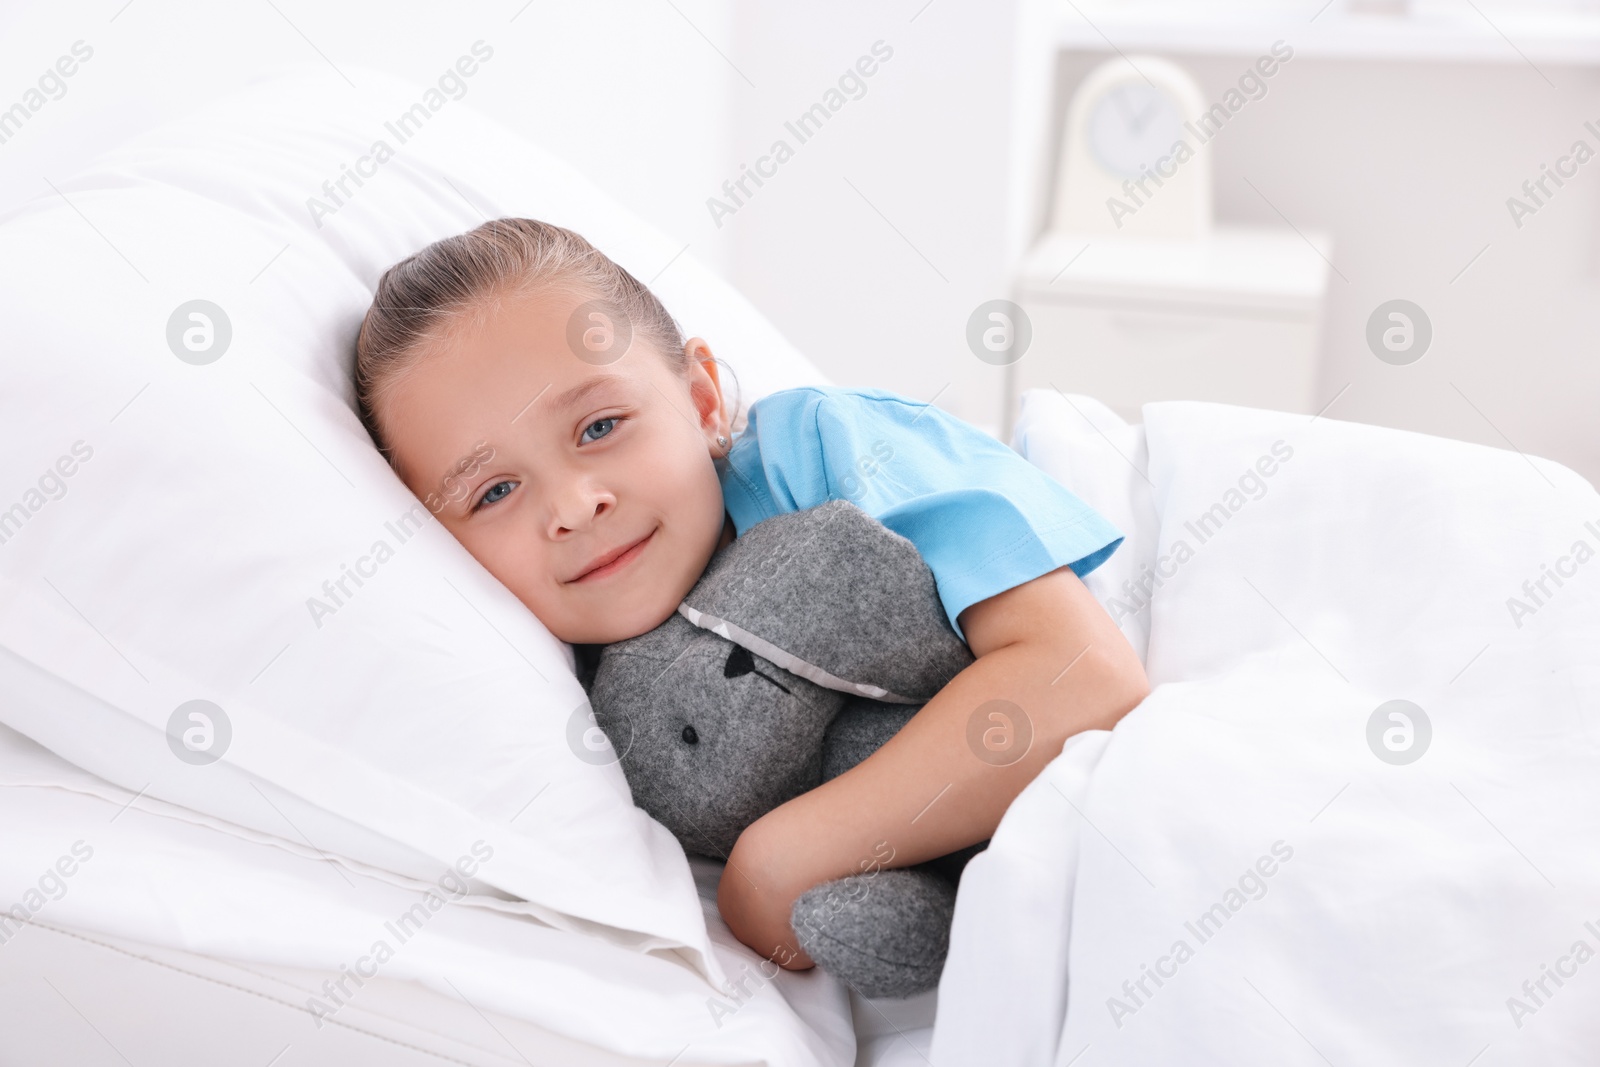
<point x="710" y="736"/>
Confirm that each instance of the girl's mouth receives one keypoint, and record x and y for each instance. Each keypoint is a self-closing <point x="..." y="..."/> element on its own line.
<point x="618" y="562"/>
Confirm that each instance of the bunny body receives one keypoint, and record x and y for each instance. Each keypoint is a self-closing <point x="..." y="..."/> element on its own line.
<point x="808" y="642"/>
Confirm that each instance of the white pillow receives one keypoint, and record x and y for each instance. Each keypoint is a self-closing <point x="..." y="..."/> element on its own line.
<point x="163" y="523"/>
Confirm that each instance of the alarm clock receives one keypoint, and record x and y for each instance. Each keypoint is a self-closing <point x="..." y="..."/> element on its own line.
<point x="1133" y="162"/>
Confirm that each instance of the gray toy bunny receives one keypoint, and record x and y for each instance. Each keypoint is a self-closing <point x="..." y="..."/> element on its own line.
<point x="806" y="644"/>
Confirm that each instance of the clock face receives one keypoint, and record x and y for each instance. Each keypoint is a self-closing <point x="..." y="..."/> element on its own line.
<point x="1132" y="126"/>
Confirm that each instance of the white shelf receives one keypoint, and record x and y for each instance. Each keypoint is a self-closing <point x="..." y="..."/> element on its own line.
<point x="1460" y="33"/>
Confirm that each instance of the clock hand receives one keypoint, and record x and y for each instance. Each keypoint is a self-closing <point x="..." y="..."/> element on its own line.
<point x="1138" y="121"/>
<point x="1116" y="98"/>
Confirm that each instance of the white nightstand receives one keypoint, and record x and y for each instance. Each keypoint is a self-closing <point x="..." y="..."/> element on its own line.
<point x="1232" y="317"/>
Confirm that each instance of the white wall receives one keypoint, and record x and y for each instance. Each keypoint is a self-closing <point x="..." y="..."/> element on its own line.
<point x="629" y="90"/>
<point x="1406" y="163"/>
<point x="872" y="245"/>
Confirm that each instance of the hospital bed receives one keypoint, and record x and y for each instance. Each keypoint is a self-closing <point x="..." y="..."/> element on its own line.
<point x="1353" y="821"/>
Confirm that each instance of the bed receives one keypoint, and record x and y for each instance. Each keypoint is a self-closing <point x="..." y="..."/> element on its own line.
<point x="1364" y="777"/>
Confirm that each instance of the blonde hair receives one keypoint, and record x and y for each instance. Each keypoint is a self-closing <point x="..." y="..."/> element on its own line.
<point x="430" y="294"/>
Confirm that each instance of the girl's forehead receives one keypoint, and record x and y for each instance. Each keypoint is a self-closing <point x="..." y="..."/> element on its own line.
<point x="553" y="332"/>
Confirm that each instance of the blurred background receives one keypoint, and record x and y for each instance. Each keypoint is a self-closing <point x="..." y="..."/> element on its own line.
<point x="1384" y="211"/>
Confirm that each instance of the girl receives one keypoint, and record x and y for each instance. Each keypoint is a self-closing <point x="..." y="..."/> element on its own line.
<point x="548" y="410"/>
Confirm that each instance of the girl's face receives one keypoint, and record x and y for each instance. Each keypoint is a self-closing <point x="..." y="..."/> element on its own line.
<point x="545" y="465"/>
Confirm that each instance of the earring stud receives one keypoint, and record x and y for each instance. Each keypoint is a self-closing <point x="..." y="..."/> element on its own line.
<point x="722" y="442"/>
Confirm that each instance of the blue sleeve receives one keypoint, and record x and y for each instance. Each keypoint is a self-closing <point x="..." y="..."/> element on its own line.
<point x="984" y="519"/>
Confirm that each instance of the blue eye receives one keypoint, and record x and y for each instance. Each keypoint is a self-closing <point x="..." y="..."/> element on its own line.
<point x="601" y="422"/>
<point x="494" y="494"/>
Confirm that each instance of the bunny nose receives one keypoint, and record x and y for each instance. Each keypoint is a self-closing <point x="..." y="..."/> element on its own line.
<point x="739" y="662"/>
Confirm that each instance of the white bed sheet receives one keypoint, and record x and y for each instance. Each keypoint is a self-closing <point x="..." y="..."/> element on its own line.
<point x="165" y="885"/>
<point x="86" y="998"/>
<point x="1407" y="904"/>
<point x="71" y="991"/>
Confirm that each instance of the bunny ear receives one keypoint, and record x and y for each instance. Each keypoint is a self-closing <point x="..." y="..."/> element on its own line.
<point x="832" y="595"/>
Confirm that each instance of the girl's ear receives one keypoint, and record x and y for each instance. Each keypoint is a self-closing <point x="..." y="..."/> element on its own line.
<point x="698" y="349"/>
<point x="705" y="389"/>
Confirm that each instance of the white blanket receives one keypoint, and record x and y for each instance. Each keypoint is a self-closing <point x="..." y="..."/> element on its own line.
<point x="1258" y="865"/>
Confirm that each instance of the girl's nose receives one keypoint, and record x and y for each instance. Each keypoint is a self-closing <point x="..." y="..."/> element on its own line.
<point x="576" y="508"/>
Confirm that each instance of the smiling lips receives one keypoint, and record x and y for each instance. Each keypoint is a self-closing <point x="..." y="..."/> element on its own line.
<point x="610" y="563"/>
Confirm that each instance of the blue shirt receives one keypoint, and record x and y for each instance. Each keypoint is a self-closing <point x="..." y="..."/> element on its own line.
<point x="984" y="519"/>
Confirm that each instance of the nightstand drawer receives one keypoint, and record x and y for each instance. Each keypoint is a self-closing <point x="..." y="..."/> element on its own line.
<point x="1127" y="355"/>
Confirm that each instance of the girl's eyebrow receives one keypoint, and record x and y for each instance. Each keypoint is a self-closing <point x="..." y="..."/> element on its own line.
<point x="592" y="384"/>
<point x="577" y="393"/>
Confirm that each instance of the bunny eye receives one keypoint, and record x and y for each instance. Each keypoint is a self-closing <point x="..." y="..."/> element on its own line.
<point x="690" y="737"/>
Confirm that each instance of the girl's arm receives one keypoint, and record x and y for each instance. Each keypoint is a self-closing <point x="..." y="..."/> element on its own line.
<point x="1047" y="647"/>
